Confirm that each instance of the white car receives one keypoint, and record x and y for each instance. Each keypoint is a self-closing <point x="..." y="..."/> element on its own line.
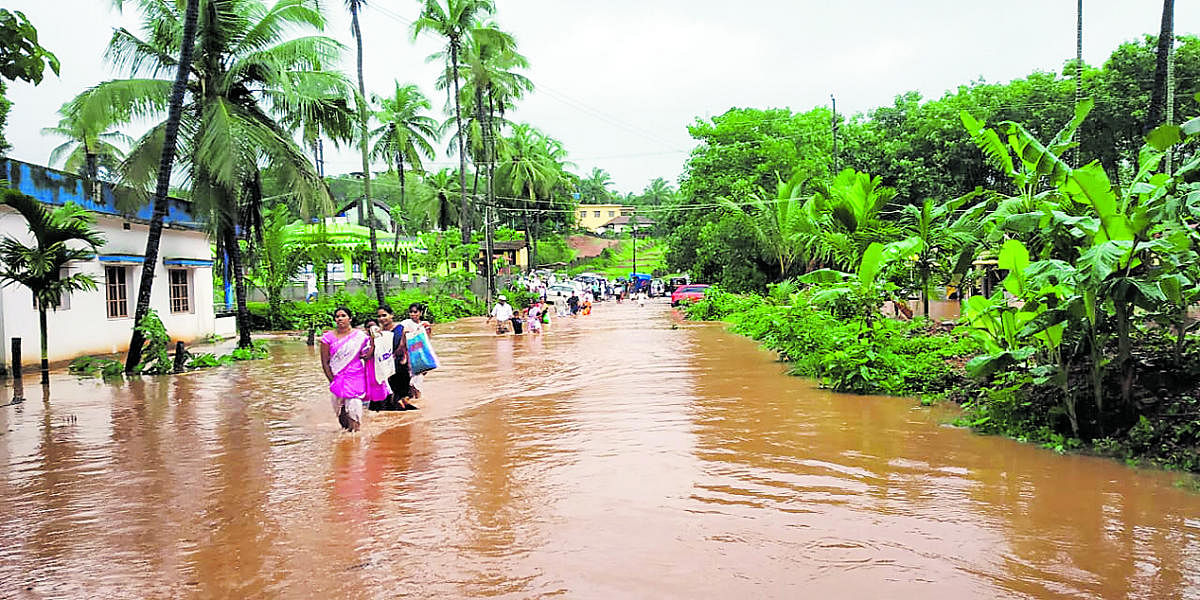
<point x="559" y="292"/>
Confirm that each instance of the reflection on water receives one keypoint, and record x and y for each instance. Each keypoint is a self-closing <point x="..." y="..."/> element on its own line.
<point x="613" y="457"/>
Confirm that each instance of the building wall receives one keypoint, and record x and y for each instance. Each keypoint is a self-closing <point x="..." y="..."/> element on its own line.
<point x="82" y="325"/>
<point x="586" y="217"/>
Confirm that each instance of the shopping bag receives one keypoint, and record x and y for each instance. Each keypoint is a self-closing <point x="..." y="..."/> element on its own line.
<point x="420" y="354"/>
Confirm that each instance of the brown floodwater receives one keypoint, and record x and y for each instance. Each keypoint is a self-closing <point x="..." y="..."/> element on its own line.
<point x="621" y="455"/>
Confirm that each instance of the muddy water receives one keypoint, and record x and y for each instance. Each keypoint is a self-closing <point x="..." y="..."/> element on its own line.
<point x="613" y="457"/>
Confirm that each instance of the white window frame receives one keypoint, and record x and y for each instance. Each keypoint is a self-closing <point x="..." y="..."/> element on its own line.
<point x="188" y="298"/>
<point x="123" y="286"/>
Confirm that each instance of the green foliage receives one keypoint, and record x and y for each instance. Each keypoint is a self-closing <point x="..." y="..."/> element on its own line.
<point x="91" y="366"/>
<point x="155" y="357"/>
<point x="257" y="351"/>
<point x="319" y="313"/>
<point x="554" y="249"/>
<point x="890" y="358"/>
<point x="208" y="360"/>
<point x="21" y="56"/>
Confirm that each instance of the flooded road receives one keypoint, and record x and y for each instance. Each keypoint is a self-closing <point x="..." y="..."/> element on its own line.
<point x="614" y="457"/>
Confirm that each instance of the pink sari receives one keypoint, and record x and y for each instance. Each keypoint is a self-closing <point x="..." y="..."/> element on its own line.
<point x="349" y="374"/>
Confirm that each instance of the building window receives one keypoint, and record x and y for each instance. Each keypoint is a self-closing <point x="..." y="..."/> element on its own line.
<point x="181" y="294"/>
<point x="116" y="292"/>
<point x="612" y="213"/>
<point x="595" y="213"/>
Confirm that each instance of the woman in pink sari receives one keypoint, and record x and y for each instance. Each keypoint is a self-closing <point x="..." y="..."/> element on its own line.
<point x="342" y="353"/>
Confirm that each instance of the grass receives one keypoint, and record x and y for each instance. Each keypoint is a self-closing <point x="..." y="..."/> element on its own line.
<point x="649" y="258"/>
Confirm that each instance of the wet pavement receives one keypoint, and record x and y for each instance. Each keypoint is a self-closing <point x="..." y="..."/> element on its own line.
<point x="621" y="455"/>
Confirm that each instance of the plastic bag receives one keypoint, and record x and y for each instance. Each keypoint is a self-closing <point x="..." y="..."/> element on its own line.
<point x="420" y="354"/>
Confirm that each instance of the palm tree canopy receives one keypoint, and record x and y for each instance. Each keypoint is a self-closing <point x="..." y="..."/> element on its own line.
<point x="248" y="77"/>
<point x="404" y="133"/>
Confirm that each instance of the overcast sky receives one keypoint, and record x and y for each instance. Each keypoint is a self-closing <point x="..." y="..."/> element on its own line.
<point x="618" y="81"/>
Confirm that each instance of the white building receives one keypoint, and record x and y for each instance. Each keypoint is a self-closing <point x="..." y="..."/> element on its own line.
<point x="100" y="321"/>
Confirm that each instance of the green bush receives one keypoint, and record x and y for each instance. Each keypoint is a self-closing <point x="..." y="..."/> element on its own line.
<point x="319" y="313"/>
<point x="91" y="366"/>
<point x="888" y="357"/>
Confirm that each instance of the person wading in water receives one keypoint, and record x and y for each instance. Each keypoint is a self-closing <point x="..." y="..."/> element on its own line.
<point x="414" y="323"/>
<point x="342" y="354"/>
<point x="398" y="382"/>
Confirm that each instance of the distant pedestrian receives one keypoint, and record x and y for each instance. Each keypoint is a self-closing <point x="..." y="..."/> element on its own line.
<point x="573" y="304"/>
<point x="342" y="354"/>
<point x="641" y="298"/>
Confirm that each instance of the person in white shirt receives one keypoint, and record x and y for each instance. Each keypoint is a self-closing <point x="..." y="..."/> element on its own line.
<point x="502" y="312"/>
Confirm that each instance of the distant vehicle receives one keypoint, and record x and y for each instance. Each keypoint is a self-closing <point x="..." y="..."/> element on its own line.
<point x="559" y="292"/>
<point x="675" y="282"/>
<point x="657" y="288"/>
<point x="691" y="292"/>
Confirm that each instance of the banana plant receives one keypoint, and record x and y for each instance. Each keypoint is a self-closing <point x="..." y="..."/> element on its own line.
<point x="865" y="288"/>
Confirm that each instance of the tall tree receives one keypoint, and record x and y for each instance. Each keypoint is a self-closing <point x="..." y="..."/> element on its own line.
<point x="593" y="189"/>
<point x="163" y="184"/>
<point x="438" y="207"/>
<point x="404" y="134"/>
<point x="40" y="266"/>
<point x="530" y="168"/>
<point x="245" y="76"/>
<point x="658" y="193"/>
<point x="88" y="147"/>
<point x="355" y="7"/>
<point x="452" y="19"/>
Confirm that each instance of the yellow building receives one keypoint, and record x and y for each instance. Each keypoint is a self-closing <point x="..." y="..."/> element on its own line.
<point x="593" y="217"/>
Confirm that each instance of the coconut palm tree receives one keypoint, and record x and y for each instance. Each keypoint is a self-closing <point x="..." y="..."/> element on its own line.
<point x="593" y="189"/>
<point x="93" y="109"/>
<point x="88" y="147"/>
<point x="658" y="192"/>
<point x="248" y="71"/>
<point x="404" y="134"/>
<point x="355" y="7"/>
<point x="530" y="168"/>
<point x="452" y="20"/>
<point x="438" y="206"/>
<point x="57" y="235"/>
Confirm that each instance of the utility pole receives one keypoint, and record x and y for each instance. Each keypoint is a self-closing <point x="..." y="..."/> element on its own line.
<point x="1078" y="66"/>
<point x="834" y="127"/>
<point x="1169" y="13"/>
<point x="633" y="223"/>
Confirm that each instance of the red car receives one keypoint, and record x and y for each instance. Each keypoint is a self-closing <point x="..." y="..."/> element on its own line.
<point x="691" y="292"/>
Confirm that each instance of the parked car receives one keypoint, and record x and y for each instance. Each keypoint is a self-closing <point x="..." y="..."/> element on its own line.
<point x="691" y="292"/>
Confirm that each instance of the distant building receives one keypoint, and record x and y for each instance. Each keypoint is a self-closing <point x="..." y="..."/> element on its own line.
<point x="619" y="225"/>
<point x="100" y="321"/>
<point x="513" y="255"/>
<point x="592" y="217"/>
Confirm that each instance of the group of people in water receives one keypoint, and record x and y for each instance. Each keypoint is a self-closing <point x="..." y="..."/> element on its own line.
<point x="369" y="367"/>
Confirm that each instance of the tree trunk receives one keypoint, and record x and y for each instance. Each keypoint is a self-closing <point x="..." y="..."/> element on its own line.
<point x="1158" y="95"/>
<point x="403" y="206"/>
<point x="373" y="257"/>
<point x="170" y="138"/>
<point x="93" y="175"/>
<point x="464" y="215"/>
<point x="45" y="350"/>
<point x="234" y="252"/>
